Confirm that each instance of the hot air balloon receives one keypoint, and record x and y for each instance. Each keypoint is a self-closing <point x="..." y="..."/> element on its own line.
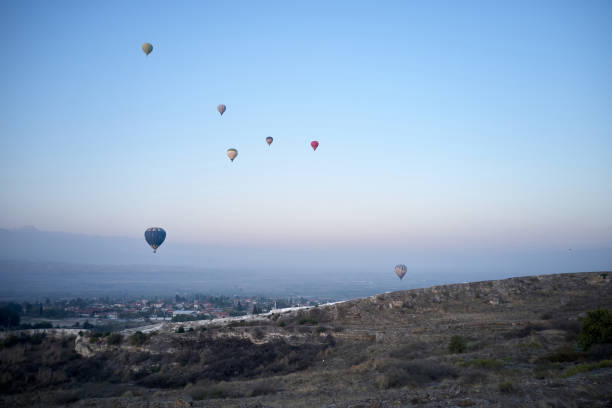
<point x="269" y="140"/>
<point x="314" y="144"/>
<point x="400" y="271"/>
<point x="155" y="237"/>
<point x="232" y="153"/>
<point x="147" y="48"/>
<point x="221" y="108"/>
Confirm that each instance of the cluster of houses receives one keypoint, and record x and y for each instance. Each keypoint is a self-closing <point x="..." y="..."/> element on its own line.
<point x="165" y="310"/>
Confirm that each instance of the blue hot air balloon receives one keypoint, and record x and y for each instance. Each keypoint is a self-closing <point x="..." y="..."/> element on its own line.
<point x="155" y="237"/>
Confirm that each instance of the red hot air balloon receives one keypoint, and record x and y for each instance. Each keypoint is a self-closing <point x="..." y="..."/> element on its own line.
<point x="314" y="144"/>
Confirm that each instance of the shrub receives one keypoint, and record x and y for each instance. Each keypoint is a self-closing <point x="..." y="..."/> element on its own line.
<point x="181" y="329"/>
<point x="544" y="368"/>
<point x="596" y="328"/>
<point x="600" y="352"/>
<point x="263" y="389"/>
<point x="258" y="334"/>
<point x="547" y="315"/>
<point x="410" y="351"/>
<point x="114" y="339"/>
<point x="138" y="338"/>
<point x="66" y="397"/>
<point x="457" y="344"/>
<point x="506" y="387"/>
<point x="282" y="324"/>
<point x="582" y="368"/>
<point x="530" y="328"/>
<point x="482" y="363"/>
<point x="307" y="320"/>
<point x="570" y="327"/>
<point x="563" y="354"/>
<point x="203" y="329"/>
<point x="399" y="374"/>
<point x="191" y="329"/>
<point x="200" y="392"/>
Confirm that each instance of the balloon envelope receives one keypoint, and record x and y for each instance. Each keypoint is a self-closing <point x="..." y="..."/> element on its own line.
<point x="232" y="153"/>
<point x="155" y="237"/>
<point x="147" y="48"/>
<point x="400" y="271"/>
<point x="314" y="144"/>
<point x="269" y="140"/>
<point x="221" y="108"/>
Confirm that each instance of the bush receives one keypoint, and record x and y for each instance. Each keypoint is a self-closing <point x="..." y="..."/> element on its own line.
<point x="307" y="320"/>
<point x="583" y="368"/>
<point x="399" y="374"/>
<point x="600" y="352"/>
<point x="457" y="344"/>
<point x="281" y="324"/>
<point x="263" y="389"/>
<point x="506" y="387"/>
<point x="42" y="325"/>
<point x="114" y="339"/>
<point x="563" y="354"/>
<point x="222" y="390"/>
<point x="487" y="363"/>
<point x="181" y="329"/>
<point x="66" y="397"/>
<point x="544" y="369"/>
<point x="596" y="328"/>
<point x="570" y="327"/>
<point x="203" y="329"/>
<point x="530" y="328"/>
<point x="138" y="338"/>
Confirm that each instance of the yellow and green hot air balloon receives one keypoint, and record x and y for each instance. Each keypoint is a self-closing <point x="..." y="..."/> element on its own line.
<point x="147" y="48"/>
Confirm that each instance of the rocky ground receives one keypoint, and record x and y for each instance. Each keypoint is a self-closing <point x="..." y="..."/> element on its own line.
<point x="389" y="350"/>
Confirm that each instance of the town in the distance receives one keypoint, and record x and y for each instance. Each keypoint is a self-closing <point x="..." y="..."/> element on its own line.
<point x="116" y="313"/>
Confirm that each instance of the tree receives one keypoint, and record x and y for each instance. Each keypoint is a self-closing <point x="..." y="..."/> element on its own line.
<point x="596" y="328"/>
<point x="457" y="344"/>
<point x="8" y="317"/>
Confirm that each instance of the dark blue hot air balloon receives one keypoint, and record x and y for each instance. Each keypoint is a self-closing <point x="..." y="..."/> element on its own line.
<point x="155" y="237"/>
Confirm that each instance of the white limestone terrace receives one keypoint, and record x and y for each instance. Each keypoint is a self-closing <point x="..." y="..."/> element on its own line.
<point x="171" y="326"/>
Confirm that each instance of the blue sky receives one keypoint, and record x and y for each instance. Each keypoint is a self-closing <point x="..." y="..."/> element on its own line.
<point x="442" y="125"/>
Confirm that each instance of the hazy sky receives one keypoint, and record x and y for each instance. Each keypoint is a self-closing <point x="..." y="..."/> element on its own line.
<point x="442" y="124"/>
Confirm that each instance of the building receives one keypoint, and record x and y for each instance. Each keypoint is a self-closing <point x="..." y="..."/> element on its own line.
<point x="184" y="313"/>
